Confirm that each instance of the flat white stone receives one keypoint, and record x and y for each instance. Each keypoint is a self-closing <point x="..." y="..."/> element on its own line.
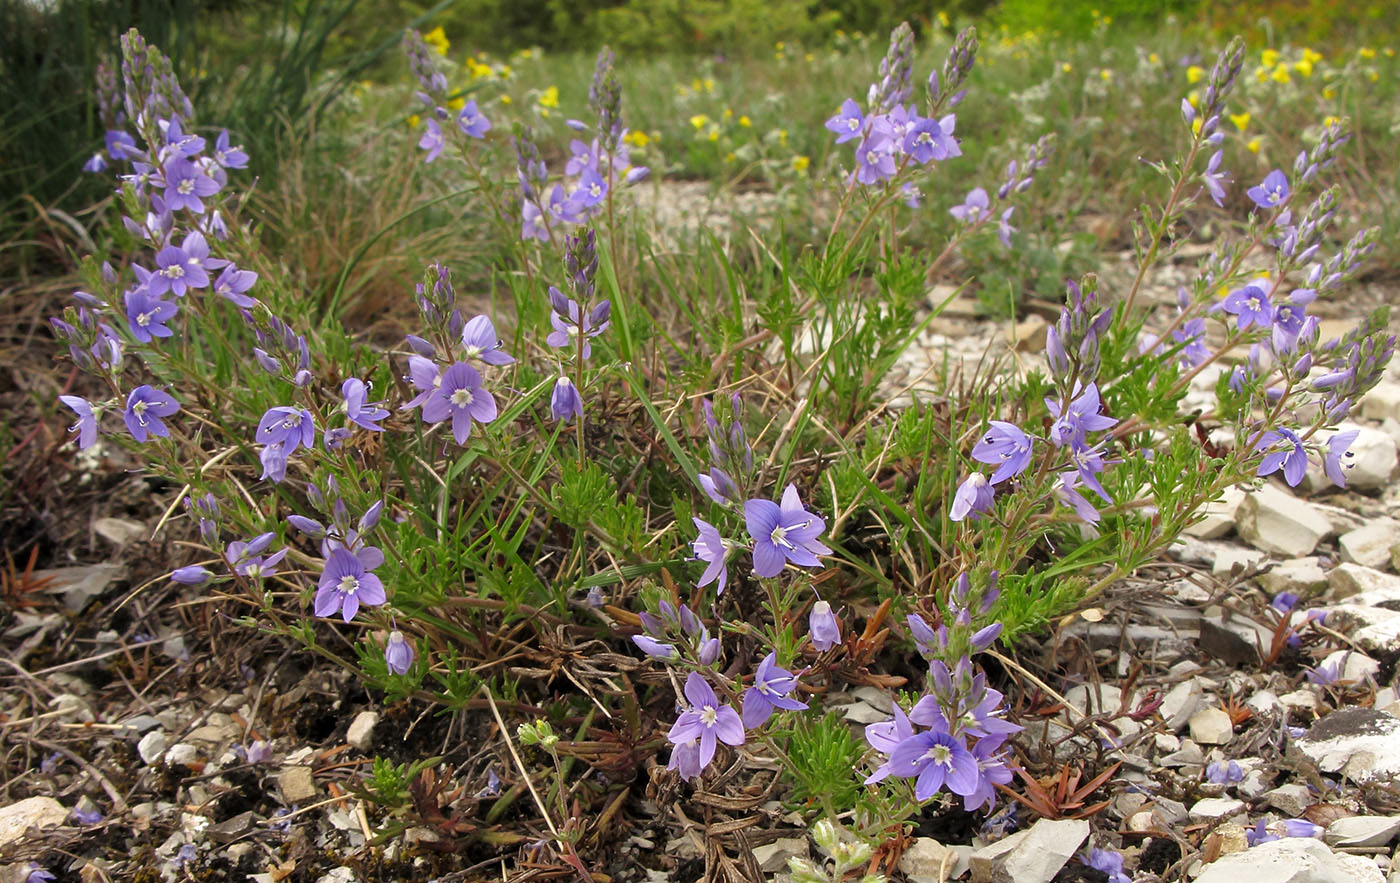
<point x="1370" y="545"/>
<point x="32" y="812"/>
<point x="1362" y="831"/>
<point x="1211" y="808"/>
<point x="1290" y="860"/>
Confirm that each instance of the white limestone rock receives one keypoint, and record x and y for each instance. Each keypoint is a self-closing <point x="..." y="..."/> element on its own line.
<point x="1273" y="520"/>
<point x="1370" y="545"/>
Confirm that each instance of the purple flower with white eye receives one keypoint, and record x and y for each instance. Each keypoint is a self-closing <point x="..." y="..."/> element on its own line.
<point x="1067" y="491"/>
<point x="848" y="122"/>
<point x="232" y="283"/>
<point x="565" y="403"/>
<point x="823" y="628"/>
<point x="1338" y="449"/>
<point x="706" y="720"/>
<point x="711" y="548"/>
<point x="86" y="427"/>
<point x="363" y="414"/>
<point x="1081" y="417"/>
<point x="591" y="189"/>
<point x="480" y="341"/>
<point x="1251" y="306"/>
<point x="973" y="208"/>
<point x="178" y="272"/>
<point x="398" y="653"/>
<point x="1004" y="228"/>
<point x="462" y="398"/>
<point x="186" y="184"/>
<point x="147" y="315"/>
<point x="1216" y="178"/>
<point x="937" y="758"/>
<point x="782" y="533"/>
<point x="345" y="584"/>
<point x="974" y="497"/>
<point x="564" y="207"/>
<point x="1285" y="452"/>
<point x="286" y="427"/>
<point x="874" y="159"/>
<point x="1272" y="192"/>
<point x="566" y="327"/>
<point x="247" y="560"/>
<point x="1006" y="447"/>
<point x="685" y="759"/>
<point x="226" y="156"/>
<point x="771" y="686"/>
<point x="471" y="121"/>
<point x="431" y="140"/>
<point x="145" y="407"/>
<point x="532" y="222"/>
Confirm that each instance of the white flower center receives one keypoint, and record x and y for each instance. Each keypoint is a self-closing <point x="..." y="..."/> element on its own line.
<point x="709" y="715"/>
<point x="348" y="585"/>
<point x="779" y="537"/>
<point x="941" y="755"/>
<point x="175" y="271"/>
<point x="474" y="351"/>
<point x="143" y="319"/>
<point x="139" y="409"/>
<point x="185" y="187"/>
<point x="853" y="125"/>
<point x="461" y="398"/>
<point x="253" y="571"/>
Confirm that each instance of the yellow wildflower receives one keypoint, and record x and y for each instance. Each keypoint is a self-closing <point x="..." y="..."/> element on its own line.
<point x="1153" y="58"/>
<point x="1195" y="73"/>
<point x="1241" y="120"/>
<point x="1389" y="53"/>
<point x="713" y="135"/>
<point x="780" y="45"/>
<point x="1366" y="52"/>
<point x="1261" y="74"/>
<point x="457" y="103"/>
<point x="527" y="53"/>
<point x="638" y="139"/>
<point x="1194" y="97"/>
<point x="800" y="163"/>
<point x="1310" y="56"/>
<point x="1329" y="93"/>
<point x="550" y="98"/>
<point x="1269" y="57"/>
<point x="413" y="120"/>
<point x="1373" y="76"/>
<point x="808" y="56"/>
<point x="1196" y="126"/>
<point x="729" y="157"/>
<point x="782" y="137"/>
<point x="695" y="85"/>
<point x="1066" y="66"/>
<point x="1329" y="120"/>
<point x="1105" y="75"/>
<point x="1304" y="67"/>
<point x="1280" y="75"/>
<point x="505" y="99"/>
<point x="943" y="22"/>
<point x="699" y="121"/>
<point x="709" y="85"/>
<point x="437" y="39"/>
<point x="728" y="114"/>
<point x="1252" y="145"/>
<point x="745" y="122"/>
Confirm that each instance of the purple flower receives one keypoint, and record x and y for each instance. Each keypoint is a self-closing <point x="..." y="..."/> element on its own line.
<point x="231" y="284"/>
<point x="145" y="407"/>
<point x="431" y="140"/>
<point x="1338" y="449"/>
<point x="783" y="533"/>
<point x="178" y="271"/>
<point x="87" y="815"/>
<point x="974" y="497"/>
<point x="591" y="189"/>
<point x="875" y="159"/>
<point x="1006" y="447"/>
<point x="654" y="648"/>
<point x="1251" y="306"/>
<point x="1082" y="416"/>
<point x="185" y="185"/>
<point x="193" y="575"/>
<point x="1109" y="862"/>
<point x="1285" y="452"/>
<point x="1216" y="178"/>
<point x="1222" y="773"/>
<point x="532" y="222"/>
<point x="286" y="427"/>
<point x="147" y="315"/>
<point x="885" y="737"/>
<point x="1067" y="491"/>
<point x="398" y="653"/>
<point x="226" y="156"/>
<point x="848" y="122"/>
<point x="565" y="403"/>
<point x="991" y="771"/>
<point x="685" y="759"/>
<point x="1273" y="191"/>
<point x="706" y="720"/>
<point x="823" y="627"/>
<point x="471" y="122"/>
<point x="566" y="326"/>
<point x="38" y="875"/>
<point x="274" y="463"/>
<point x="771" y="686"/>
<point x="365" y="415"/>
<point x="462" y="398"/>
<point x="345" y="584"/>
<point x="425" y="377"/>
<point x="1004" y="228"/>
<point x="711" y="548"/>
<point x="937" y="759"/>
<point x="718" y="486"/>
<point x="973" y="208"/>
<point x="480" y="341"/>
<point x="86" y="427"/>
